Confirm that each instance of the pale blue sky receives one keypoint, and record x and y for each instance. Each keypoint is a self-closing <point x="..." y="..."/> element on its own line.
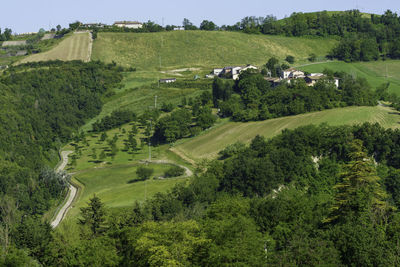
<point x="31" y="15"/>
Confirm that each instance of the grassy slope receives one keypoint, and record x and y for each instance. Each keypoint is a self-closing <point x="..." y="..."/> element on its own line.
<point x="211" y="142"/>
<point x="75" y="47"/>
<point x="109" y="179"/>
<point x="201" y="49"/>
<point x="112" y="185"/>
<point x="374" y="72"/>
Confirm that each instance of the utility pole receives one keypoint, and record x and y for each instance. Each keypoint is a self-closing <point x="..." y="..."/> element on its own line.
<point x="150" y="143"/>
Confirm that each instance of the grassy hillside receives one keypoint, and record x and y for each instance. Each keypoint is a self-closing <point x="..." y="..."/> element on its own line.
<point x="211" y="142"/>
<point x="201" y="49"/>
<point x="376" y="72"/>
<point x="110" y="177"/>
<point x="75" y="47"/>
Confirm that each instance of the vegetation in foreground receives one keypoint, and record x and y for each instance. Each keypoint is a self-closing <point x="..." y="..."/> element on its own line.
<point x="42" y="105"/>
<point x="309" y="196"/>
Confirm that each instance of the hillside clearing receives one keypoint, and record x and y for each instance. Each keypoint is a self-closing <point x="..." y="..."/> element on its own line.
<point x="112" y="185"/>
<point x="207" y="145"/>
<point x="189" y="49"/>
<point x="75" y="47"/>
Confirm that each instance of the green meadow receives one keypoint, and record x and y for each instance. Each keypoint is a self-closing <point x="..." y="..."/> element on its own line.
<point x="207" y="145"/>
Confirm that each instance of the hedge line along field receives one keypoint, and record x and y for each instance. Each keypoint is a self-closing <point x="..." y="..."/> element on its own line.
<point x="207" y="145"/>
<point x="376" y="72"/>
<point x="205" y="49"/>
<point x="75" y="47"/>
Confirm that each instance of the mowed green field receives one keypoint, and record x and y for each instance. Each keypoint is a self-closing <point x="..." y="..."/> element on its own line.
<point x="376" y="72"/>
<point x="75" y="47"/>
<point x="178" y="49"/>
<point x="207" y="145"/>
<point x="112" y="185"/>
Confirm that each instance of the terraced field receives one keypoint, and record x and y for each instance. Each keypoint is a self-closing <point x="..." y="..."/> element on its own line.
<point x="75" y="47"/>
<point x="208" y="145"/>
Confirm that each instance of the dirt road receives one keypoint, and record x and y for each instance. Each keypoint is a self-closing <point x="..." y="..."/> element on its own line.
<point x="72" y="192"/>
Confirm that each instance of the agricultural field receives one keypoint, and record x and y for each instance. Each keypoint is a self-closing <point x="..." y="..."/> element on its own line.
<point x="202" y="49"/>
<point x="75" y="47"/>
<point x="207" y="145"/>
<point x="376" y="72"/>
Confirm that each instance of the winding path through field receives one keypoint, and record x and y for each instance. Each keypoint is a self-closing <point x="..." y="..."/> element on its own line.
<point x="72" y="192"/>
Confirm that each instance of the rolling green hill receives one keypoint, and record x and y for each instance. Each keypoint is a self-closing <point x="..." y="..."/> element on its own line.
<point x="201" y="48"/>
<point x="212" y="141"/>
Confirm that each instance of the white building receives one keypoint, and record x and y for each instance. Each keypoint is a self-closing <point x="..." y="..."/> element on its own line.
<point x="128" y="24"/>
<point x="179" y="28"/>
<point x="249" y="67"/>
<point x="217" y="72"/>
<point x="232" y="71"/>
<point x="292" y="73"/>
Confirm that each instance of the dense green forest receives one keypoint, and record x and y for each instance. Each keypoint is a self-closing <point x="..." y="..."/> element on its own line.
<point x="252" y="97"/>
<point x="317" y="195"/>
<point x="363" y="37"/>
<point x="43" y="105"/>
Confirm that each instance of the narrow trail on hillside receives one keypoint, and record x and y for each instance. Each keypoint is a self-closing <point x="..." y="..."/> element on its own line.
<point x="90" y="47"/>
<point x="314" y="63"/>
<point x="72" y="192"/>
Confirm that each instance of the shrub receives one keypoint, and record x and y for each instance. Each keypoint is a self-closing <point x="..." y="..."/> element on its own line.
<point x="144" y="173"/>
<point x="290" y="59"/>
<point x="174" y="171"/>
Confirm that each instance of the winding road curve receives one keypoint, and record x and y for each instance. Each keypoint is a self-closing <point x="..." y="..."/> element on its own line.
<point x="73" y="190"/>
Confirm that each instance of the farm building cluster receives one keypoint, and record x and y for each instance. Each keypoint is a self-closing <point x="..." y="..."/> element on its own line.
<point x="287" y="75"/>
<point x="293" y="74"/>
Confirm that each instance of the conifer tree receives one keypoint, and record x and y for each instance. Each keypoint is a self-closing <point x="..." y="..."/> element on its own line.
<point x="360" y="190"/>
<point x="93" y="215"/>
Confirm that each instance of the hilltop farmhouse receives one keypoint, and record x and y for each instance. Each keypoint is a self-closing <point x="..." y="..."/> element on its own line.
<point x="128" y="24"/>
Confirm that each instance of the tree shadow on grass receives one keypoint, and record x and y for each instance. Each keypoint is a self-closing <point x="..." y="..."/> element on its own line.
<point x="136" y="180"/>
<point x="95" y="161"/>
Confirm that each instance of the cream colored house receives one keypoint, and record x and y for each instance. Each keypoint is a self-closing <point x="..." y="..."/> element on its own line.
<point x="128" y="24"/>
